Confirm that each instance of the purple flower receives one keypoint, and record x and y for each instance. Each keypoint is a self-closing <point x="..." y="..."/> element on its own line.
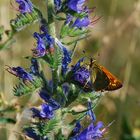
<point x="77" y="128"/>
<point x="58" y="4"/>
<point x="40" y="49"/>
<point x="76" y="5"/>
<point x="25" y="6"/>
<point x="48" y="39"/>
<point x="65" y="88"/>
<point x="66" y="56"/>
<point x="45" y="43"/>
<point x="66" y="60"/>
<point x="69" y="18"/>
<point x="46" y="112"/>
<point x="35" y="112"/>
<point x="82" y="75"/>
<point x="83" y="22"/>
<point x="34" y="66"/>
<point x="90" y="112"/>
<point x="30" y="132"/>
<point x="33" y="133"/>
<point x="46" y="97"/>
<point x="21" y="73"/>
<point x="82" y="78"/>
<point x="78" y="23"/>
<point x="91" y="132"/>
<point x="77" y="65"/>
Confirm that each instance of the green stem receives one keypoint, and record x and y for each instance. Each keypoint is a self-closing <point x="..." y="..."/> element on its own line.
<point x="51" y="22"/>
<point x="8" y="42"/>
<point x="52" y="32"/>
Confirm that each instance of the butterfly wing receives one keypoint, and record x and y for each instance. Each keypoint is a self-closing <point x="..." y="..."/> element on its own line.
<point x="101" y="80"/>
<point x="114" y="83"/>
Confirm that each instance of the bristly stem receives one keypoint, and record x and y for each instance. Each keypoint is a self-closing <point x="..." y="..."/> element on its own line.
<point x="8" y="42"/>
<point x="51" y="23"/>
<point x="52" y="32"/>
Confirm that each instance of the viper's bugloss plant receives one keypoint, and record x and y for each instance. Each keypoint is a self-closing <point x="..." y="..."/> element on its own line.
<point x="70" y="84"/>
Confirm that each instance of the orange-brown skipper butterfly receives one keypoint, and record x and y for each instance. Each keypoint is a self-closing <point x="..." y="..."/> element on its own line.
<point x="102" y="79"/>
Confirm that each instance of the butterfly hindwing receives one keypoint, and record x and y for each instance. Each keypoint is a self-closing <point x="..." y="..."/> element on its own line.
<point x="101" y="81"/>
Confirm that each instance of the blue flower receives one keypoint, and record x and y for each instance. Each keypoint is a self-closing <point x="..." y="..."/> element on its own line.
<point x="25" y="6"/>
<point x="46" y="97"/>
<point x="21" y="73"/>
<point x="91" y="132"/>
<point x="82" y="75"/>
<point x="58" y="4"/>
<point x="34" y="66"/>
<point x="45" y="43"/>
<point x="66" y="60"/>
<point x="66" y="56"/>
<point x="82" y="78"/>
<point x="35" y="112"/>
<point x="77" y="65"/>
<point x="90" y="112"/>
<point x="40" y="49"/>
<point x="81" y="22"/>
<point x="69" y="18"/>
<point x="48" y="39"/>
<point x="65" y="88"/>
<point x="33" y="133"/>
<point x="76" y="5"/>
<point x="46" y="112"/>
<point x="30" y="132"/>
<point x="77" y="128"/>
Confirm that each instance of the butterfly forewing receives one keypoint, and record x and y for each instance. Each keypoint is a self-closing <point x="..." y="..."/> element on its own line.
<point x="114" y="83"/>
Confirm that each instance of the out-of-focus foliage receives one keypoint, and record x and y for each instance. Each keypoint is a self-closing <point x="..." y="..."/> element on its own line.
<point x="116" y="37"/>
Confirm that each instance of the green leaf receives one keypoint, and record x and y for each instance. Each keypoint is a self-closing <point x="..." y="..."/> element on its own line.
<point x="73" y="94"/>
<point x="60" y="136"/>
<point x="50" y="126"/>
<point x="24" y="20"/>
<point x="24" y="89"/>
<point x="57" y="57"/>
<point x="67" y="30"/>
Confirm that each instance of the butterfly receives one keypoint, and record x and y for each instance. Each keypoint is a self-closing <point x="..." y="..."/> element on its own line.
<point x="102" y="79"/>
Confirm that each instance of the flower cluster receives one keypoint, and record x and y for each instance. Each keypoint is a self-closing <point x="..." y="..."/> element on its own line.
<point x="92" y="132"/>
<point x="68" y="83"/>
<point x="47" y="109"/>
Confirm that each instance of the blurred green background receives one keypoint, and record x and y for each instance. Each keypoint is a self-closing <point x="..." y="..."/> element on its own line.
<point x="114" y="41"/>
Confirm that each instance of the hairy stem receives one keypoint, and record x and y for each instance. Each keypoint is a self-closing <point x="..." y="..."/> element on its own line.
<point x="8" y="42"/>
<point x="51" y="22"/>
<point x="52" y="32"/>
